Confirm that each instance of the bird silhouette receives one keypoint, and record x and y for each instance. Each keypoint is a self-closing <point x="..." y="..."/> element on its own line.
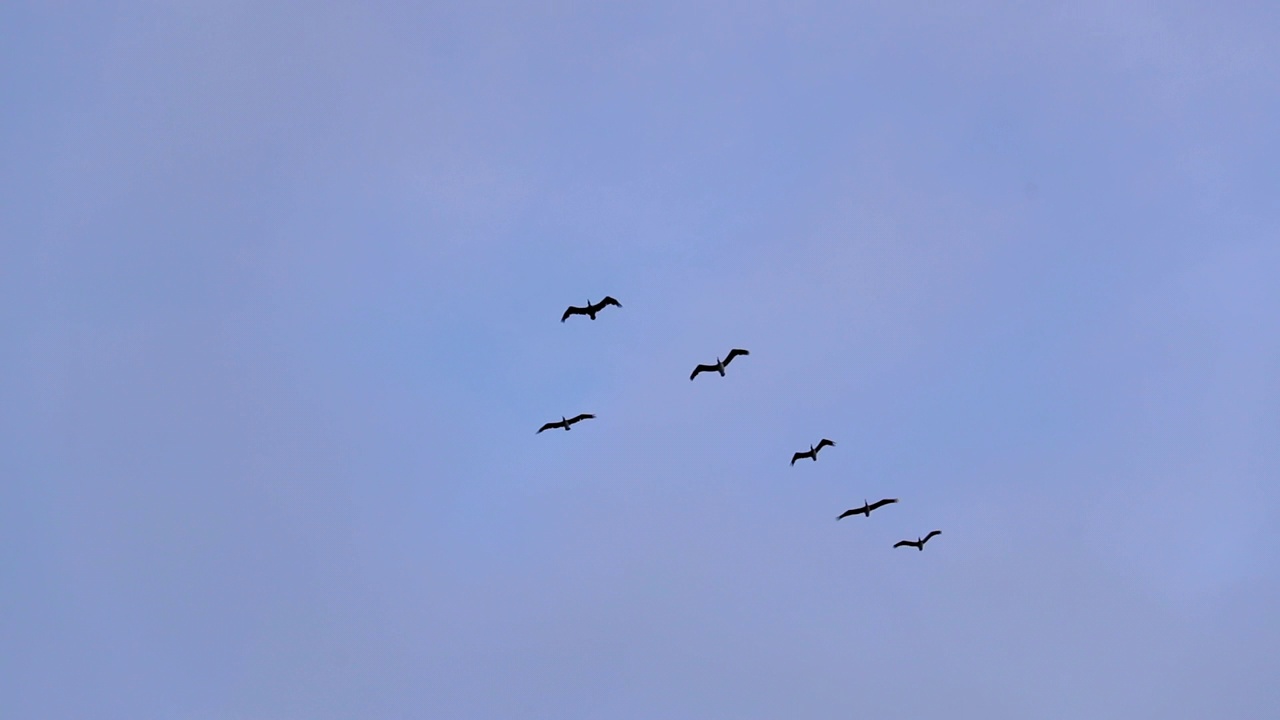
<point x="565" y="423"/>
<point x="918" y="543"/>
<point x="866" y="509"/>
<point x="720" y="364"/>
<point x="813" y="451"/>
<point x="590" y="310"/>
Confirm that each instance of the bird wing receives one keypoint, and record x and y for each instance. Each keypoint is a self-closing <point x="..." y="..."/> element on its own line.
<point x="823" y="443"/>
<point x="882" y="503"/>
<point x="931" y="534"/>
<point x="583" y="416"/>
<point x="701" y="368"/>
<point x="548" y="426"/>
<point x="572" y="311"/>
<point x="608" y="300"/>
<point x="847" y="513"/>
<point x="733" y="354"/>
<point x="798" y="456"/>
<point x="908" y="543"/>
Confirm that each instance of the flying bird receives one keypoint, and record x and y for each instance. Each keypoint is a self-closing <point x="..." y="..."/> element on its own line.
<point x="866" y="510"/>
<point x="590" y="310"/>
<point x="918" y="543"/>
<point x="720" y="364"/>
<point x="565" y="423"/>
<point x="813" y="451"/>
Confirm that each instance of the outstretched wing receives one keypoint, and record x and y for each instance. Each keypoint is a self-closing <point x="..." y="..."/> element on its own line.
<point x="798" y="456"/>
<point x="572" y="311"/>
<point x="701" y="368"/>
<point x="549" y="426"/>
<point x="823" y="443"/>
<point x="931" y="534"/>
<point x="882" y="503"/>
<point x="733" y="354"/>
<point x="847" y="513"/>
<point x="583" y="416"/>
<point x="608" y="300"/>
<point x="907" y="543"/>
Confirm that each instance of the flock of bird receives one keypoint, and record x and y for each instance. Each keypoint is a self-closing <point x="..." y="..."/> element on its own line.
<point x="591" y="309"/>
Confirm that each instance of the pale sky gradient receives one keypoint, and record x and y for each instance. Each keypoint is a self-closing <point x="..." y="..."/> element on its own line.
<point x="280" y="287"/>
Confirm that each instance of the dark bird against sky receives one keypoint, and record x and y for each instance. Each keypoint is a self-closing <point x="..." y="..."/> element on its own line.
<point x="590" y="310"/>
<point x="866" y="509"/>
<point x="720" y="364"/>
<point x="918" y="543"/>
<point x="812" y="454"/>
<point x="565" y="423"/>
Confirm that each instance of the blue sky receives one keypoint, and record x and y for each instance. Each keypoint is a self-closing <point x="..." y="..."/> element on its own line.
<point x="280" y="287"/>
